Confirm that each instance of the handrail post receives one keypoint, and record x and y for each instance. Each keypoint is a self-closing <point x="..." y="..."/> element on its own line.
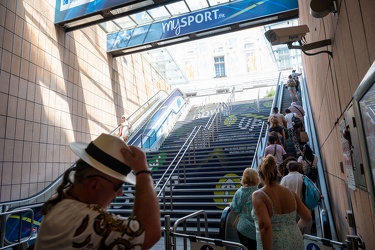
<point x="354" y="242"/>
<point x="167" y="238"/>
<point x="184" y="173"/>
<point x="164" y="195"/>
<point x="2" y="231"/>
<point x="170" y="193"/>
<point x="194" y="154"/>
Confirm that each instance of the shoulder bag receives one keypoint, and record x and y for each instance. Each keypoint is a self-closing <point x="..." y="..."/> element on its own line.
<point x="311" y="172"/>
<point x="303" y="136"/>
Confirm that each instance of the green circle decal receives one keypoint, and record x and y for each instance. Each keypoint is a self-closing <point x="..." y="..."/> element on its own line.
<point x="232" y="181"/>
<point x="230" y="120"/>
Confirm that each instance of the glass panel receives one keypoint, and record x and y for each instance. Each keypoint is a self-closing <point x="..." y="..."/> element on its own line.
<point x="367" y="106"/>
<point x="219" y="59"/>
<point x="109" y="27"/>
<point x="131" y="7"/>
<point x="217" y="2"/>
<point x="177" y="8"/>
<point x="197" y="4"/>
<point x="159" y="13"/>
<point x="141" y="18"/>
<point x="124" y="22"/>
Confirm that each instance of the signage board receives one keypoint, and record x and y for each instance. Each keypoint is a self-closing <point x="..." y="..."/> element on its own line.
<point x="201" y="20"/>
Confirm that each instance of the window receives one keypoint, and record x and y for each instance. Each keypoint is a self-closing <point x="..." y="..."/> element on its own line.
<point x="249" y="45"/>
<point x="219" y="66"/>
<point x="284" y="58"/>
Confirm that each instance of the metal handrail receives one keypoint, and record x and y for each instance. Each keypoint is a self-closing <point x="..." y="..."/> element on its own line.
<point x="4" y="206"/>
<point x="167" y="176"/>
<point x="178" y="157"/>
<point x="4" y="216"/>
<point x="217" y="242"/>
<point x="174" y="234"/>
<point x="184" y="221"/>
<point x="259" y="149"/>
<point x="192" y="215"/>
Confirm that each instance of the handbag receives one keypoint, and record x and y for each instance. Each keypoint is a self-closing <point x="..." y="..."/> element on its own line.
<point x="311" y="172"/>
<point x="304" y="137"/>
<point x="235" y="222"/>
<point x="297" y="123"/>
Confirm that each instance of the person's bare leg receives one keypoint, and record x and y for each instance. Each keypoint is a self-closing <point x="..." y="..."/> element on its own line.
<point x="291" y="95"/>
<point x="295" y="93"/>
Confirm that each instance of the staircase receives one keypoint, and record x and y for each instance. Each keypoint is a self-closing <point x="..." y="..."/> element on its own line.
<point x="209" y="174"/>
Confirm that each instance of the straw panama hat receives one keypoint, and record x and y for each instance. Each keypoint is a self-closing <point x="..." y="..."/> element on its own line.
<point x="104" y="154"/>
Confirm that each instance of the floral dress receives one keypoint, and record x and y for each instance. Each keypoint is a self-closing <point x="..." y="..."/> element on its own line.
<point x="285" y="232"/>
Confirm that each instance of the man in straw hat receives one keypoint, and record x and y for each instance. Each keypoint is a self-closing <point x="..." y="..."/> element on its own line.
<point x="76" y="217"/>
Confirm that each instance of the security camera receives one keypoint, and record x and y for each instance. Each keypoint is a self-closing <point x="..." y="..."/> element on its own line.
<point x="287" y="35"/>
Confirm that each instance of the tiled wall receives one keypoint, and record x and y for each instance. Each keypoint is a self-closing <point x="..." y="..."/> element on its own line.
<point x="56" y="88"/>
<point x="331" y="84"/>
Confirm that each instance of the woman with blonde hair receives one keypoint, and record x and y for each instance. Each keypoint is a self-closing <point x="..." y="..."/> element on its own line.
<point x="242" y="204"/>
<point x="275" y="211"/>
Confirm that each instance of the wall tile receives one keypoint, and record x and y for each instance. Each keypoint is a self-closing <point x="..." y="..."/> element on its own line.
<point x="6" y="177"/>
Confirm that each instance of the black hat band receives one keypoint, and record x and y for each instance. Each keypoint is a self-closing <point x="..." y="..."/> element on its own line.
<point x="107" y="160"/>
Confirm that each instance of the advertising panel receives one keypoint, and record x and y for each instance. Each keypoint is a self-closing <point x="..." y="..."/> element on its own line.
<point x="206" y="19"/>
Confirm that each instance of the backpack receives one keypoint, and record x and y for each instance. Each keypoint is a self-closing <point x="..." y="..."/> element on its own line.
<point x="297" y="123"/>
<point x="311" y="194"/>
<point x="291" y="83"/>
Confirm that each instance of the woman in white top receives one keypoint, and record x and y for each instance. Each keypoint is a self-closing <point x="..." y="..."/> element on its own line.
<point x="124" y="130"/>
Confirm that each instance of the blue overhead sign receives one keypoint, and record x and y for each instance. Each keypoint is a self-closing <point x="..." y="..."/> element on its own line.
<point x="71" y="9"/>
<point x="214" y="17"/>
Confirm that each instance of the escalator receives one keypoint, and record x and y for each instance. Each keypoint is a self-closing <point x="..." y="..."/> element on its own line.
<point x="154" y="129"/>
<point x="323" y="224"/>
<point x="143" y="113"/>
<point x="20" y="219"/>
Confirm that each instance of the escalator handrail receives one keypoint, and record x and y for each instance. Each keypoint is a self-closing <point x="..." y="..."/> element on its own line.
<point x="142" y="109"/>
<point x="149" y="102"/>
<point x="147" y="122"/>
<point x="4" y="205"/>
<point x="314" y="144"/>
